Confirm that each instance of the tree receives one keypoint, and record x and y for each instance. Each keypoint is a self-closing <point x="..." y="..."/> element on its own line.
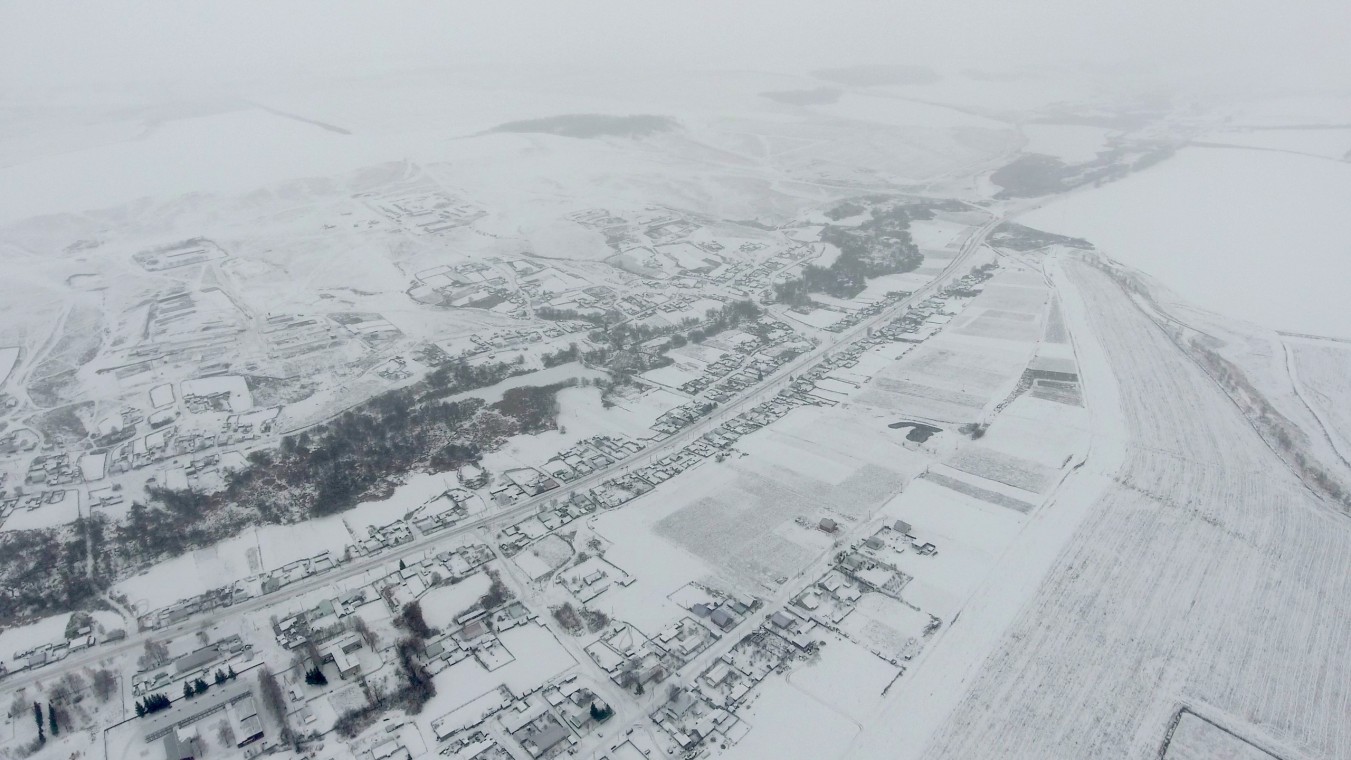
<point x="153" y="703"/>
<point x="359" y="625"/>
<point x="412" y="619"/>
<point x="225" y="734"/>
<point x="37" y="717"/>
<point x="156" y="654"/>
<point x="105" y="684"/>
<point x="199" y="686"/>
<point x="315" y="677"/>
<point x="220" y="676"/>
<point x="230" y="673"/>
<point x="187" y="690"/>
<point x="51" y="720"/>
<point x="600" y="714"/>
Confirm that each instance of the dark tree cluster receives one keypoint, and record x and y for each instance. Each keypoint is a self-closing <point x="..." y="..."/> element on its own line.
<point x="879" y="246"/>
<point x="410" y="619"/>
<point x="315" y="676"/>
<point x="151" y="704"/>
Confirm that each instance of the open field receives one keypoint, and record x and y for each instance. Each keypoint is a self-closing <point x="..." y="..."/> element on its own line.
<point x="1325" y="375"/>
<point x="1205" y="575"/>
<point x="1207" y="213"/>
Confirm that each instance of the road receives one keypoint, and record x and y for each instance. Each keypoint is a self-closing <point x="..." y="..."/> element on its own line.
<point x="766" y="389"/>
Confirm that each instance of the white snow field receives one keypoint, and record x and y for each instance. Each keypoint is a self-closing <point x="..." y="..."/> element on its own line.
<point x="1328" y="143"/>
<point x="1257" y="235"/>
<point x="1324" y="376"/>
<point x="1203" y="576"/>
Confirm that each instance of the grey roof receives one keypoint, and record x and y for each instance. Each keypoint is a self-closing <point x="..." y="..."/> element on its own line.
<point x="175" y="749"/>
<point x="722" y="618"/>
<point x="547" y="737"/>
<point x="194" y="660"/>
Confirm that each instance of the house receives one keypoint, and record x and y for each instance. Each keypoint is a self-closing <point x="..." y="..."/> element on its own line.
<point x="340" y="653"/>
<point x="541" y="740"/>
<point x="873" y="542"/>
<point x="782" y="619"/>
<point x="902" y="527"/>
<point x="473" y="630"/>
<point x="248" y="726"/>
<point x="722" y="618"/>
<point x="828" y="525"/>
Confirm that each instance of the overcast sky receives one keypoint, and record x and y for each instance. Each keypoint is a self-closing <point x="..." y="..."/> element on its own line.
<point x="49" y="44"/>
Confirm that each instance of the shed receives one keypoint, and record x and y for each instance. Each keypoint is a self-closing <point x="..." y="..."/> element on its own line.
<point x="828" y="525"/>
<point x="195" y="660"/>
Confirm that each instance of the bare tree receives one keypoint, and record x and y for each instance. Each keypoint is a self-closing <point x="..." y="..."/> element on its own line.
<point x="105" y="683"/>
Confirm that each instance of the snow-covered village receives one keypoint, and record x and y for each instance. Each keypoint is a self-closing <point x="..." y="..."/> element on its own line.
<point x="753" y="411"/>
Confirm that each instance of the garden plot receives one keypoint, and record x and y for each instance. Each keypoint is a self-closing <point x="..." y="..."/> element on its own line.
<point x="1003" y="468"/>
<point x="746" y="528"/>
<point x="1197" y="572"/>
<point x="1039" y="431"/>
<point x="983" y="490"/>
<point x="949" y="379"/>
<point x="443" y="604"/>
<point x="660" y="567"/>
<point x="544" y="556"/>
<point x="999" y="323"/>
<point x="886" y="627"/>
<point x="1195" y="738"/>
<point x="787" y="721"/>
<point x="845" y="676"/>
<point x="740" y="516"/>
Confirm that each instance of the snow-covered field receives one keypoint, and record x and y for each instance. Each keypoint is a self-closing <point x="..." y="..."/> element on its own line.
<point x="1324" y="373"/>
<point x="1329" y="143"/>
<point x="888" y="109"/>
<point x="441" y="605"/>
<point x="1260" y="236"/>
<point x="1207" y="576"/>
<point x="952" y="377"/>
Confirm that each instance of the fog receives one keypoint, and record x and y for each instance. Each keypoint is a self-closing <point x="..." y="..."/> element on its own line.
<point x="1208" y="42"/>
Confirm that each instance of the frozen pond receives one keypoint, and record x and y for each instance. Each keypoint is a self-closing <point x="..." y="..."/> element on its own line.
<point x="1256" y="235"/>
